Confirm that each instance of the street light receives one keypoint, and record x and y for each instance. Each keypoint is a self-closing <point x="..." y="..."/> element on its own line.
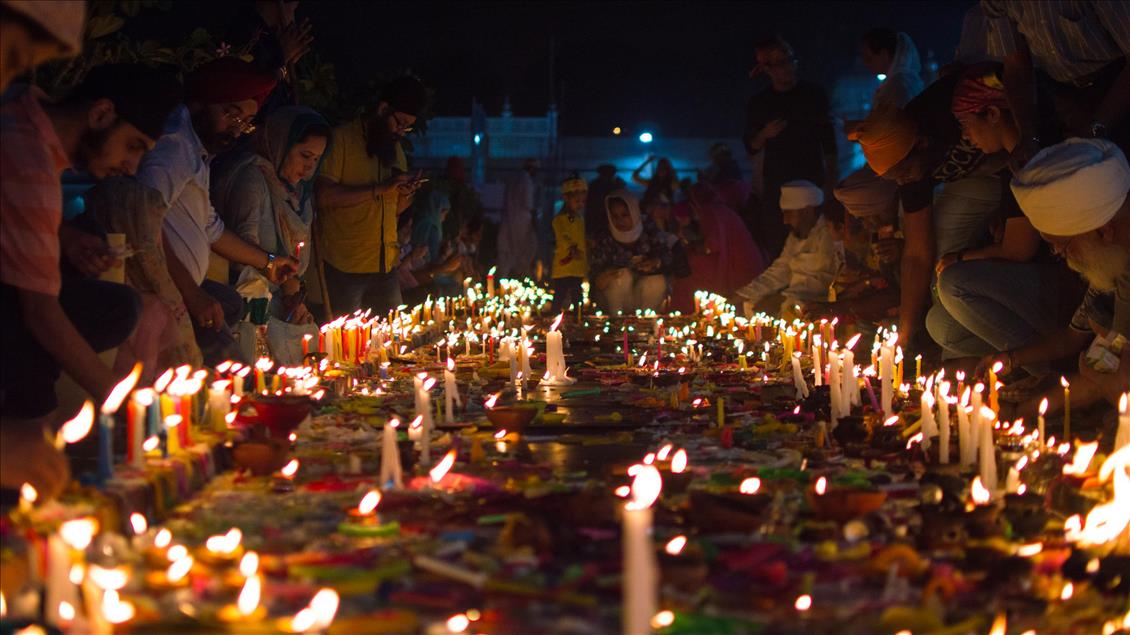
<point x="645" y="137"/>
<point x="881" y="77"/>
<point x="616" y="131"/>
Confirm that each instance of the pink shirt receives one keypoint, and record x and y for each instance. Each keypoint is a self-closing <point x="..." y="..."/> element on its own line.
<point x="31" y="196"/>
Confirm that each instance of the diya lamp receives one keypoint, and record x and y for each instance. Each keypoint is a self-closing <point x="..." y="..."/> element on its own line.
<point x="679" y="476"/>
<point x="363" y="520"/>
<point x="317" y="616"/>
<point x="156" y="553"/>
<point x="284" y="479"/>
<point x="843" y="503"/>
<point x="234" y="578"/>
<point x="173" y="577"/>
<point x="981" y="517"/>
<point x="247" y="607"/>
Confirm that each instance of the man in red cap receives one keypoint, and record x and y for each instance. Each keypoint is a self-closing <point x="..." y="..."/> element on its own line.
<point x="221" y="97"/>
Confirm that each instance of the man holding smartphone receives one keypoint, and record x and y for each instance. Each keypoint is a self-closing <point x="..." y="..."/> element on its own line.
<point x="364" y="185"/>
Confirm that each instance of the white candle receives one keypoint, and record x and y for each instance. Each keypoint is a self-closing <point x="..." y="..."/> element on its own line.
<point x="944" y="423"/>
<point x="817" y="365"/>
<point x="424" y="411"/>
<point x="59" y="586"/>
<point x="927" y="415"/>
<point x="975" y="420"/>
<point x="988" y="450"/>
<point x="450" y="392"/>
<point x="964" y="443"/>
<point x="554" y="352"/>
<point x="640" y="594"/>
<point x="390" y="457"/>
<point x="836" y="386"/>
<point x="798" y="378"/>
<point x="887" y="373"/>
<point x="139" y="415"/>
<point x="1122" y="437"/>
<point x="1012" y="481"/>
<point x="219" y="404"/>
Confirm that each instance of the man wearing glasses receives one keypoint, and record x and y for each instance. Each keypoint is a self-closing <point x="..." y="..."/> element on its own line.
<point x="361" y="190"/>
<point x="789" y="133"/>
<point x="221" y="97"/>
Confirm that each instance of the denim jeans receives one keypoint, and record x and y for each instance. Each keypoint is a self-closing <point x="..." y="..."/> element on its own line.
<point x="991" y="306"/>
<point x="351" y="291"/>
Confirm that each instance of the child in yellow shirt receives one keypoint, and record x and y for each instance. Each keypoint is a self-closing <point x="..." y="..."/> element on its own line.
<point x="570" y="253"/>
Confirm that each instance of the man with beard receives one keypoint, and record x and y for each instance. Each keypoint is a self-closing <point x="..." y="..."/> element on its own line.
<point x="1075" y="195"/>
<point x="808" y="262"/>
<point x="362" y="189"/>
<point x="221" y="97"/>
<point x="52" y="320"/>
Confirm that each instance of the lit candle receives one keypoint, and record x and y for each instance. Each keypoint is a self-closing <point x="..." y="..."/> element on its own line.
<point x="555" y="352"/>
<point x="106" y="423"/>
<point x="798" y="378"/>
<point x="640" y="595"/>
<point x="391" y="474"/>
<point x="1040" y="421"/>
<point x="172" y="439"/>
<point x="988" y="449"/>
<point x="219" y="404"/>
<point x="994" y="402"/>
<point x="1122" y="437"/>
<point x="917" y="368"/>
<point x="141" y="406"/>
<point x="490" y="282"/>
<point x="944" y="423"/>
<point x="836" y="386"/>
<point x="817" y="365"/>
<point x="927" y="417"/>
<point x="886" y="371"/>
<point x="1066" y="408"/>
<point x="450" y="392"/>
<point x="964" y="442"/>
<point x="975" y="419"/>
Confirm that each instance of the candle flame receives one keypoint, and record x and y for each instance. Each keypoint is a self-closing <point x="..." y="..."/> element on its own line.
<point x="163" y="381"/>
<point x="290" y="469"/>
<point x="556" y="323"/>
<point x="173" y="421"/>
<point x="115" y="610"/>
<point x="113" y="578"/>
<point x="249" y="564"/>
<point x="622" y="491"/>
<point x="978" y="492"/>
<point x="679" y="462"/>
<point x="1067" y="592"/>
<point x="458" y="623"/>
<point x="162" y="539"/>
<point x="139" y="524"/>
<point x="76" y="429"/>
<point x="853" y="341"/>
<point x="662" y="619"/>
<point x="66" y="611"/>
<point x="1108" y="521"/>
<point x="1081" y="460"/>
<point x="369" y="502"/>
<point x="821" y="486"/>
<point x="493" y="399"/>
<point x="443" y="467"/>
<point x="179" y="569"/>
<point x="1063" y="382"/>
<point x="429" y="383"/>
<point x="325" y="604"/>
<point x="226" y="543"/>
<point x="664" y="452"/>
<point x="450" y="364"/>
<point x="249" y="596"/>
<point x="892" y="420"/>
<point x="803" y="602"/>
<point x="501" y="434"/>
<point x="151" y="443"/>
<point x="675" y="545"/>
<point x="176" y="552"/>
<point x="646" y="485"/>
<point x="750" y="485"/>
<point x="78" y="532"/>
<point x="1000" y="625"/>
<point x="997" y="367"/>
<point x="28" y="493"/>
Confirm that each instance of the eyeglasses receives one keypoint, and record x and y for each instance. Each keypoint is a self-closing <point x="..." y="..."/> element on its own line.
<point x="398" y="123"/>
<point x="232" y="114"/>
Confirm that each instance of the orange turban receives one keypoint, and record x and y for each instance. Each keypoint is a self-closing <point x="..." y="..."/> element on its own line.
<point x="887" y="139"/>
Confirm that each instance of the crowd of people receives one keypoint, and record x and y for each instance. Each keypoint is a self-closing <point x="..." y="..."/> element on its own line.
<point x="215" y="200"/>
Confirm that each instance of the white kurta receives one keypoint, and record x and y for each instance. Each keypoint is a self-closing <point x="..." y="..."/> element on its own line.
<point x="802" y="273"/>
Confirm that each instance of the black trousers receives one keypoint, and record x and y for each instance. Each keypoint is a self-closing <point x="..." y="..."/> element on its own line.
<point x="105" y="314"/>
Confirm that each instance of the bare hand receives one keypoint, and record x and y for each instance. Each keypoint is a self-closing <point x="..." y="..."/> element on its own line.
<point x="27" y="457"/>
<point x="295" y="40"/>
<point x="88" y="253"/>
<point x="888" y="250"/>
<point x="206" y="312"/>
<point x="987" y="363"/>
<point x="282" y="269"/>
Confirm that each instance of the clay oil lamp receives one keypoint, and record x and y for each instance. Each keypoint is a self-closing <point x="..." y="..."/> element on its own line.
<point x="363" y="520"/>
<point x="843" y="503"/>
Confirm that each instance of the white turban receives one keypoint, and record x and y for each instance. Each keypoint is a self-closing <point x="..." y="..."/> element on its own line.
<point x="801" y="194"/>
<point x="1073" y="187"/>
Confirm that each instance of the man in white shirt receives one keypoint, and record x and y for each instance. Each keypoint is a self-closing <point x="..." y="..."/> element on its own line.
<point x="221" y="97"/>
<point x="808" y="263"/>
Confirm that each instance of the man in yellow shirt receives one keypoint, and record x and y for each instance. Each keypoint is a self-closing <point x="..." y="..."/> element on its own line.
<point x="362" y="188"/>
<point x="570" y="253"/>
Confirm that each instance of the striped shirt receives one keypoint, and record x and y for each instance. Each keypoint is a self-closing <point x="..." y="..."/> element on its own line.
<point x="1068" y="39"/>
<point x="31" y="197"/>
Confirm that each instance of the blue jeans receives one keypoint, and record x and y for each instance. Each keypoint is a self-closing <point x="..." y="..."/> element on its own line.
<point x="991" y="306"/>
<point x="351" y="291"/>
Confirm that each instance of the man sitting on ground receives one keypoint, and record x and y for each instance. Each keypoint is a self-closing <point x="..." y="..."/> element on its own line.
<point x="807" y="264"/>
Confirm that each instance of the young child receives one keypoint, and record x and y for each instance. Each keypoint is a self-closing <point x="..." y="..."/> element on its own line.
<point x="570" y="253"/>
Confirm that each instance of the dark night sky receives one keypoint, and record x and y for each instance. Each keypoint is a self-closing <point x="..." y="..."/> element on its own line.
<point x="679" y="68"/>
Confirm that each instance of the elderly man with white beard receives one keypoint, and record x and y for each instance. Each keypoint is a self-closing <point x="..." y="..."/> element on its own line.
<point x="1075" y="195"/>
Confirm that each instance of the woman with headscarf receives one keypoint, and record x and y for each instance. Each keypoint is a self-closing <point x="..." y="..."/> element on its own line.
<point x="264" y="196"/>
<point x="723" y="255"/>
<point x="629" y="261"/>
<point x="894" y="56"/>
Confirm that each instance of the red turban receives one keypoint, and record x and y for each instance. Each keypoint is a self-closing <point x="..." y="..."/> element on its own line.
<point x="228" y="80"/>
<point x="978" y="89"/>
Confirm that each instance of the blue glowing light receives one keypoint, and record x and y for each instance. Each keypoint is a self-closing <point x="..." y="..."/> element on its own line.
<point x="645" y="137"/>
<point x="881" y="77"/>
<point x="478" y="139"/>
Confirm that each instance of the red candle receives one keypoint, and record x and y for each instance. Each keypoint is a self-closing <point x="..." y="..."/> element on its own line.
<point x="130" y="423"/>
<point x="186" y="422"/>
<point x="321" y="342"/>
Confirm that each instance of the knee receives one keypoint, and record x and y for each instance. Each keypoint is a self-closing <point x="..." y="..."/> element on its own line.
<point x="940" y="325"/>
<point x="652" y="285"/>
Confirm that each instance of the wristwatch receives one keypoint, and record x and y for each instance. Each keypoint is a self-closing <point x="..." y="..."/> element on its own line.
<point x="270" y="262"/>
